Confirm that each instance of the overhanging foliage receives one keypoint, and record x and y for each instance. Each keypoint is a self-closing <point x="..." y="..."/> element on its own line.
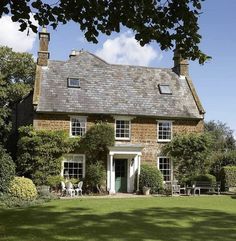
<point x="17" y="72"/>
<point x="166" y="22"/>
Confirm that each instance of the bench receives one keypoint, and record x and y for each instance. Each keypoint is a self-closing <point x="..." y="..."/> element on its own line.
<point x="205" y="185"/>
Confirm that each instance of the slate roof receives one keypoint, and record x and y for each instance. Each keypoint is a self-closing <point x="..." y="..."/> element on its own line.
<point x="113" y="89"/>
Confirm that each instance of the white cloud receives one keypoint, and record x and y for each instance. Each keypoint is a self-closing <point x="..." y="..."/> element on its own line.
<point x="13" y="38"/>
<point x="124" y="49"/>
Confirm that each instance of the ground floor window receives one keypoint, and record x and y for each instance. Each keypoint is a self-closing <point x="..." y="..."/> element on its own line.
<point x="73" y="166"/>
<point x="164" y="165"/>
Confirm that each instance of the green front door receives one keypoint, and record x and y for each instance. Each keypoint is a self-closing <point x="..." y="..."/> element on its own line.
<point x="121" y="175"/>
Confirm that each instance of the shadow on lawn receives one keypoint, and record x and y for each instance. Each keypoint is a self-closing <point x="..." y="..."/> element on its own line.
<point x="172" y="224"/>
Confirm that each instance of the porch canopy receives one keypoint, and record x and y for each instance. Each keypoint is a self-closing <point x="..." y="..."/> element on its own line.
<point x="131" y="155"/>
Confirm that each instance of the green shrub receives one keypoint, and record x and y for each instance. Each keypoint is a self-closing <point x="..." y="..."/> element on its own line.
<point x="190" y="155"/>
<point x="205" y="177"/>
<point x="7" y="170"/>
<point x="6" y="200"/>
<point x="95" y="176"/>
<point x="40" y="152"/>
<point x="73" y="180"/>
<point x="222" y="159"/>
<point x="151" y="177"/>
<point x="96" y="141"/>
<point x="10" y="201"/>
<point x="23" y="188"/>
<point x="228" y="177"/>
<point x="55" y="181"/>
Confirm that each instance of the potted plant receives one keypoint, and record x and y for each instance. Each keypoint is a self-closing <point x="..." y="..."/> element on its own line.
<point x="146" y="190"/>
<point x="150" y="179"/>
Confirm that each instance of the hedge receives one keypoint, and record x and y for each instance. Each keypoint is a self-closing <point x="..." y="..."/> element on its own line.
<point x="228" y="177"/>
<point x="206" y="178"/>
<point x="7" y="170"/>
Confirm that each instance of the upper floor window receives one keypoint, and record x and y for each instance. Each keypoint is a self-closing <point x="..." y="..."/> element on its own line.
<point x="122" y="129"/>
<point x="73" y="82"/>
<point x="78" y="125"/>
<point x="165" y="166"/>
<point x="164" y="130"/>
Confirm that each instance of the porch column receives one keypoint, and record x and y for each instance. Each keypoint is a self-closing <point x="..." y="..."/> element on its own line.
<point x="110" y="179"/>
<point x="139" y="160"/>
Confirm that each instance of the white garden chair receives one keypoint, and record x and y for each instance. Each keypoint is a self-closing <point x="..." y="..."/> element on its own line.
<point x="63" y="188"/>
<point x="69" y="189"/>
<point x="78" y="190"/>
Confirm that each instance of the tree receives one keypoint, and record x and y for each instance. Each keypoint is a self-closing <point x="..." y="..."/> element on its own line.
<point x="17" y="72"/>
<point x="221" y="159"/>
<point x="223" y="146"/>
<point x="7" y="170"/>
<point x="165" y="22"/>
<point x="40" y="151"/>
<point x="190" y="155"/>
<point x="221" y="134"/>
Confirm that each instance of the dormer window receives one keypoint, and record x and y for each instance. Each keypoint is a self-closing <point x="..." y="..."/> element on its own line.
<point x="165" y="89"/>
<point x="73" y="82"/>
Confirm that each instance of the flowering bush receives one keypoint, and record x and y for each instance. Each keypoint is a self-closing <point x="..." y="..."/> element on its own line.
<point x="23" y="188"/>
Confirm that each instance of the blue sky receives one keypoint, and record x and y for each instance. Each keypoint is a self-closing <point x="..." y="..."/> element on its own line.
<point x="215" y="81"/>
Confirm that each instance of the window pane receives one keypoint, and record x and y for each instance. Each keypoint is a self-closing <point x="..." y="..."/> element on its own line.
<point x="122" y="129"/>
<point x="165" y="168"/>
<point x="73" y="168"/>
<point x="78" y="126"/>
<point x="165" y="89"/>
<point x="73" y="82"/>
<point x="164" y="130"/>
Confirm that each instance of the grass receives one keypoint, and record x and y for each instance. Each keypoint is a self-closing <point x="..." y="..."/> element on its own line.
<point x="157" y="218"/>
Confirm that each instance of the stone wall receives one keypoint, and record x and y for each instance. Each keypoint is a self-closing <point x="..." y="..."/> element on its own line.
<point x="143" y="130"/>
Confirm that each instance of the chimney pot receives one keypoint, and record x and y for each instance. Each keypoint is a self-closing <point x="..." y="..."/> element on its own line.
<point x="73" y="53"/>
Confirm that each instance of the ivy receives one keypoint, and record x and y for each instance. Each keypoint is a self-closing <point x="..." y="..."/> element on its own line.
<point x="96" y="141"/>
<point x="95" y="145"/>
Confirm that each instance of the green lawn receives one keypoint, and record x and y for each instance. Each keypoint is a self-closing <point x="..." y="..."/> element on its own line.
<point x="155" y="218"/>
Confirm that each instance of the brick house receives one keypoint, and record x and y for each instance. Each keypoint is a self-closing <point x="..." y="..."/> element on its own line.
<point x="147" y="106"/>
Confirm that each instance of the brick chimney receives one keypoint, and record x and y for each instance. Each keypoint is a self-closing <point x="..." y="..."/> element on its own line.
<point x="43" y="54"/>
<point x="180" y="64"/>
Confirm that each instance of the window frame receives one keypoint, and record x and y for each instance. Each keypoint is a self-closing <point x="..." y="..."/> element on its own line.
<point x="73" y="86"/>
<point x="171" y="168"/>
<point x="80" y="118"/>
<point x="69" y="158"/>
<point x="158" y="130"/>
<point x="162" y="92"/>
<point x="125" y="118"/>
